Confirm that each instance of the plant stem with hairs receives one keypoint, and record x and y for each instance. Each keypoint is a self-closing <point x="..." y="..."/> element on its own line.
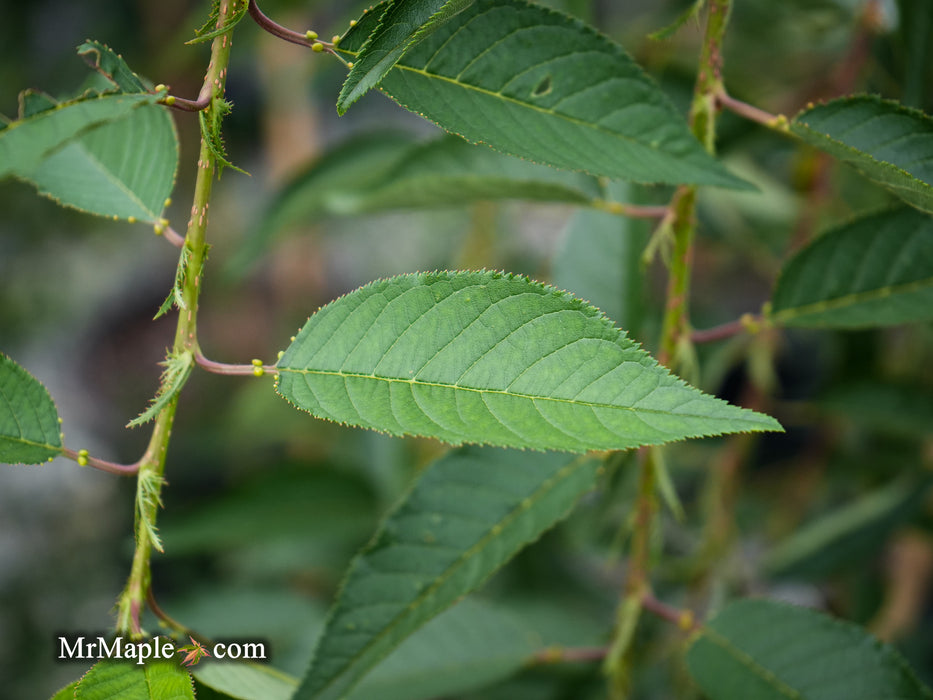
<point x="150" y="478"/>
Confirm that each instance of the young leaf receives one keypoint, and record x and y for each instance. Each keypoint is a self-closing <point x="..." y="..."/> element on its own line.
<point x="889" y="143"/>
<point x="767" y="650"/>
<point x="124" y="168"/>
<point x="467" y="515"/>
<point x="112" y="66"/>
<point x="177" y="370"/>
<point x="465" y="648"/>
<point x="245" y="680"/>
<point x="403" y="24"/>
<point x="30" y="431"/>
<point x="483" y="357"/>
<point x="529" y="81"/>
<point x="154" y="680"/>
<point x="874" y="271"/>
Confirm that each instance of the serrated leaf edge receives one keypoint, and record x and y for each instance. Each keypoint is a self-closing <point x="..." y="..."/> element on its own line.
<point x="58" y="449"/>
<point x="799" y="121"/>
<point x="737" y="183"/>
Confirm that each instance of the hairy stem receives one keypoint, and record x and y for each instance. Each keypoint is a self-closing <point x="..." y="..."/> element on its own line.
<point x="152" y="465"/>
<point x="675" y="334"/>
<point x="706" y="96"/>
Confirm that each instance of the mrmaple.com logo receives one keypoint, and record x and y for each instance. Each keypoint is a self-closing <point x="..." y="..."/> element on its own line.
<point x="87" y="647"/>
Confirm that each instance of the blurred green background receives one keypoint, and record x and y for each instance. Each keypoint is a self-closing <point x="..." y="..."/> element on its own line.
<point x="265" y="505"/>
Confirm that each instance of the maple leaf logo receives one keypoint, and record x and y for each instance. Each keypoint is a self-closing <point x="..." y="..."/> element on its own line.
<point x="194" y="652"/>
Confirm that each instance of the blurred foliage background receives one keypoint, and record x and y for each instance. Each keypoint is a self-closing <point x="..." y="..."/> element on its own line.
<point x="265" y="505"/>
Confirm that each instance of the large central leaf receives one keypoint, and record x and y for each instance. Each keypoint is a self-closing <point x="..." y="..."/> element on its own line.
<point x="532" y="82"/>
<point x="482" y="357"/>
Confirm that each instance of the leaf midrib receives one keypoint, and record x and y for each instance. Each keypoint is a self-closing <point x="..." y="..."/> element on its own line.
<point x="30" y="443"/>
<point x="503" y="392"/>
<point x="528" y="105"/>
<point x="852" y="299"/>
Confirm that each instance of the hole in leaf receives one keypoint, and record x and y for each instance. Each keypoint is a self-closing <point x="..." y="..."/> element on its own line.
<point x="543" y="87"/>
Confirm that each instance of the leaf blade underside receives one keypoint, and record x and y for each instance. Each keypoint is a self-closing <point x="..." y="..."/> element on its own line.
<point x="534" y="83"/>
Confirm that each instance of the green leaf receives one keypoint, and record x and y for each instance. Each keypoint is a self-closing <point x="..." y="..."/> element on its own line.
<point x="113" y="154"/>
<point x="467" y="515"/>
<point x="159" y="680"/>
<point x="759" y="650"/>
<point x="30" y="431"/>
<point x="529" y="81"/>
<point x="849" y="533"/>
<point x="25" y="143"/>
<point x="381" y="172"/>
<point x="887" y="142"/>
<point x="874" y="271"/>
<point x="472" y="645"/>
<point x="212" y="134"/>
<point x="122" y="169"/>
<point x="483" y="357"/>
<point x="403" y="24"/>
<point x="244" y="680"/>
<point x="177" y="370"/>
<point x="112" y="66"/>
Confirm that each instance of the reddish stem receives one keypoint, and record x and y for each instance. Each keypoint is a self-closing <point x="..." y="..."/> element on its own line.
<point x="233" y="370"/>
<point x="725" y="330"/>
<point x="743" y="109"/>
<point x="173" y="237"/>
<point x="684" y="619"/>
<point x="102" y="465"/>
<point x="284" y="33"/>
